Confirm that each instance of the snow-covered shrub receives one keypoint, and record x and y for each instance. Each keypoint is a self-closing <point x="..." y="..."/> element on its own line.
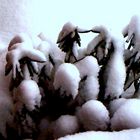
<point x="116" y="75"/>
<point x="73" y="81"/>
<point x="113" y="71"/>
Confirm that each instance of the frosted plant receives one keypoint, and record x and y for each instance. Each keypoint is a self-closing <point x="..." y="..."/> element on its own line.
<point x="89" y="85"/>
<point x="96" y="47"/>
<point x="69" y="40"/>
<point x="113" y="73"/>
<point x="27" y="101"/>
<point x="69" y="81"/>
<point x="19" y="48"/>
<point x="132" y="53"/>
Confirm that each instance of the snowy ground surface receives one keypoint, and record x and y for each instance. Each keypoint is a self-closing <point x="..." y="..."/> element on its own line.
<point x="122" y="135"/>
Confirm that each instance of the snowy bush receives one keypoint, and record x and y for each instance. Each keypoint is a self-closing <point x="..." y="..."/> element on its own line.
<point x="62" y="89"/>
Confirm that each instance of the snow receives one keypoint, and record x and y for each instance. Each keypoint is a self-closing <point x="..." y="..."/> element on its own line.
<point x="28" y="94"/>
<point x="92" y="135"/>
<point x="64" y="125"/>
<point x="115" y="105"/>
<point x="20" y="38"/>
<point x="25" y="16"/>
<point x="93" y="115"/>
<point x="93" y="43"/>
<point x="75" y="50"/>
<point x="115" y="72"/>
<point x="21" y="46"/>
<point x="127" y="116"/>
<point x="67" y="28"/>
<point x="47" y="48"/>
<point x="133" y="29"/>
<point x="88" y="66"/>
<point x="88" y="90"/>
<point x="67" y="78"/>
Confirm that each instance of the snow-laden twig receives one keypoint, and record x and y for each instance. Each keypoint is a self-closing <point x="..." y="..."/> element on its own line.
<point x="69" y="41"/>
<point x="27" y="102"/>
<point x="132" y="55"/>
<point x="133" y="29"/>
<point x="89" y="85"/>
<point x="114" y="73"/>
<point x="21" y="47"/>
<point x="28" y="92"/>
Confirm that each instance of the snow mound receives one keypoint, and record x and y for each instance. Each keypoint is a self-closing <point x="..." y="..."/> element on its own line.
<point x="64" y="125"/>
<point x="28" y="93"/>
<point x="133" y="134"/>
<point x="115" y="105"/>
<point x="127" y="116"/>
<point x="93" y="115"/>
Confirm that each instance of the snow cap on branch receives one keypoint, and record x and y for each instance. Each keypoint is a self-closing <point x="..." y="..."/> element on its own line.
<point x="127" y="116"/>
<point x="88" y="66"/>
<point x="93" y="115"/>
<point x="67" y="78"/>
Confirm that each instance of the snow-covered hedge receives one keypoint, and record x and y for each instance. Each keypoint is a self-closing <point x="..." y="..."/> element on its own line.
<point x="59" y="89"/>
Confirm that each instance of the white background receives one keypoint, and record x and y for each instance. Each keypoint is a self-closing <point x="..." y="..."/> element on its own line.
<point x="49" y="16"/>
